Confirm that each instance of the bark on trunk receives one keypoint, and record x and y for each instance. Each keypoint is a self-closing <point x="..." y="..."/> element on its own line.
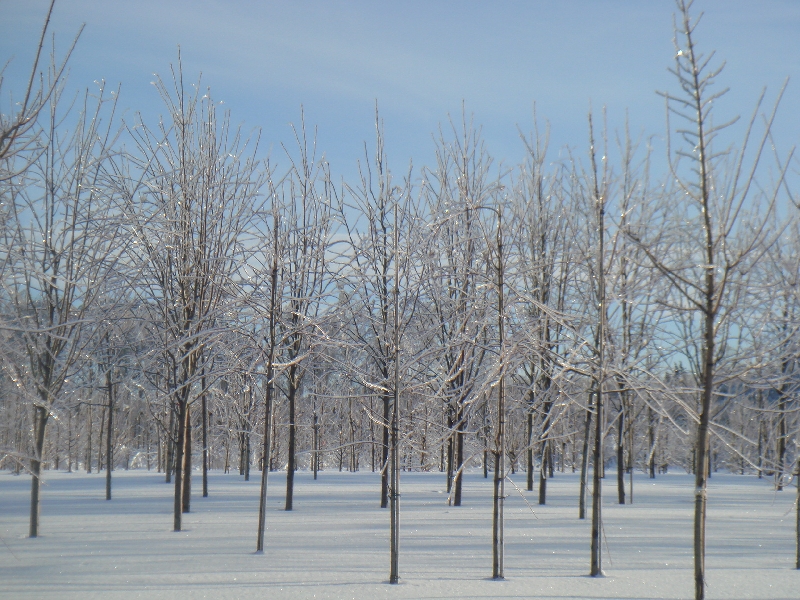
<point x="89" y="440"/>
<point x="597" y="504"/>
<point x="101" y="439"/>
<point x="797" y="518"/>
<point x="177" y="508"/>
<point x="585" y="459"/>
<point x="385" y="450"/>
<point x="546" y="469"/>
<point x="292" y="397"/>
<point x="651" y="434"/>
<point x="315" y="456"/>
<point x="530" y="447"/>
<point x="459" y="466"/>
<point x="40" y="422"/>
<point x="186" y="497"/>
<point x="262" y="507"/>
<point x="450" y="448"/>
<point x="109" y="434"/>
<point x="204" y="408"/>
<point x="169" y="443"/>
<point x="781" y="441"/>
<point x="621" y="458"/>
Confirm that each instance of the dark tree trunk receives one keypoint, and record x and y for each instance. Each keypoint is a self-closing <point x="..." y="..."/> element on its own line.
<point x="242" y="449"/>
<point x="262" y="507"/>
<point x="69" y="446"/>
<point x="40" y="422"/>
<point x="247" y="454"/>
<point x="204" y="408"/>
<point x="100" y="440"/>
<point x="109" y="434"/>
<point x="585" y="459"/>
<point x="797" y="518"/>
<point x="459" y="462"/>
<point x="620" y="458"/>
<point x="267" y="452"/>
<point x="547" y="460"/>
<point x="450" y="447"/>
<point x="781" y="441"/>
<point x="597" y="502"/>
<point x="292" y="398"/>
<point x="186" y="499"/>
<point x="651" y="434"/>
<point x="177" y="509"/>
<point x="385" y="448"/>
<point x="315" y="456"/>
<point x="543" y="472"/>
<point x="58" y="442"/>
<point x="89" y="439"/>
<point x="169" y="443"/>
<point x="530" y="447"/>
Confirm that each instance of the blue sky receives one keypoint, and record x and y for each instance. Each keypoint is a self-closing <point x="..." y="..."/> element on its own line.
<point x="420" y="60"/>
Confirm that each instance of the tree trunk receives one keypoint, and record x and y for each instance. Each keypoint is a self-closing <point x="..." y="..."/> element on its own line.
<point x="109" y="434"/>
<point x="597" y="502"/>
<point x="385" y="450"/>
<point x="186" y="498"/>
<point x="247" y="454"/>
<point x="631" y="452"/>
<point x="100" y="440"/>
<point x="242" y="448"/>
<point x="781" y="441"/>
<point x="651" y="434"/>
<point x="702" y="446"/>
<point x="262" y="506"/>
<point x="529" y="446"/>
<point x="69" y="443"/>
<point x="543" y="471"/>
<point x="459" y="458"/>
<point x="204" y="408"/>
<point x="585" y="459"/>
<point x="177" y="509"/>
<point x="620" y="458"/>
<point x="292" y="398"/>
<point x="169" y="441"/>
<point x="40" y="422"/>
<point x="797" y="517"/>
<point x="546" y="469"/>
<point x="89" y="439"/>
<point x="315" y="456"/>
<point x="450" y="447"/>
<point x="58" y="442"/>
<point x="499" y="467"/>
<point x="761" y="433"/>
<point x="268" y="417"/>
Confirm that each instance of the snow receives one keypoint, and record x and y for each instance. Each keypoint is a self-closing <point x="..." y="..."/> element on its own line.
<point x="335" y="543"/>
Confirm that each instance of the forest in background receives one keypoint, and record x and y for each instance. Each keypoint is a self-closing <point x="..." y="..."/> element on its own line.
<point x="171" y="301"/>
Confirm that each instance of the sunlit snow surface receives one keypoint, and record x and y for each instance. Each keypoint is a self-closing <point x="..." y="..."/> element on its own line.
<point x="335" y="543"/>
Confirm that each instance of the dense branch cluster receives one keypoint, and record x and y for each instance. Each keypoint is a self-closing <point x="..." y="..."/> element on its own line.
<point x="160" y="282"/>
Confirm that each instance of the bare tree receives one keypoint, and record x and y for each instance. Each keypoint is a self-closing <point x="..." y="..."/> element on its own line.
<point x="380" y="278"/>
<point x="460" y="184"/>
<point x="708" y="263"/>
<point x="59" y="244"/>
<point x="191" y="193"/>
<point x="370" y="270"/>
<point x="307" y="222"/>
<point x="271" y="343"/>
<point x="542" y="246"/>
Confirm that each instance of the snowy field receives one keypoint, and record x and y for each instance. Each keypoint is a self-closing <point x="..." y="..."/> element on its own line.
<point x="335" y="543"/>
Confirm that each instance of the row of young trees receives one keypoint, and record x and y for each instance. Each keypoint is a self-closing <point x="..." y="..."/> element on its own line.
<point x="163" y="282"/>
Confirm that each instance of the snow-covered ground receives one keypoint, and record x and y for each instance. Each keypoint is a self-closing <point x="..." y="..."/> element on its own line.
<point x="335" y="543"/>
